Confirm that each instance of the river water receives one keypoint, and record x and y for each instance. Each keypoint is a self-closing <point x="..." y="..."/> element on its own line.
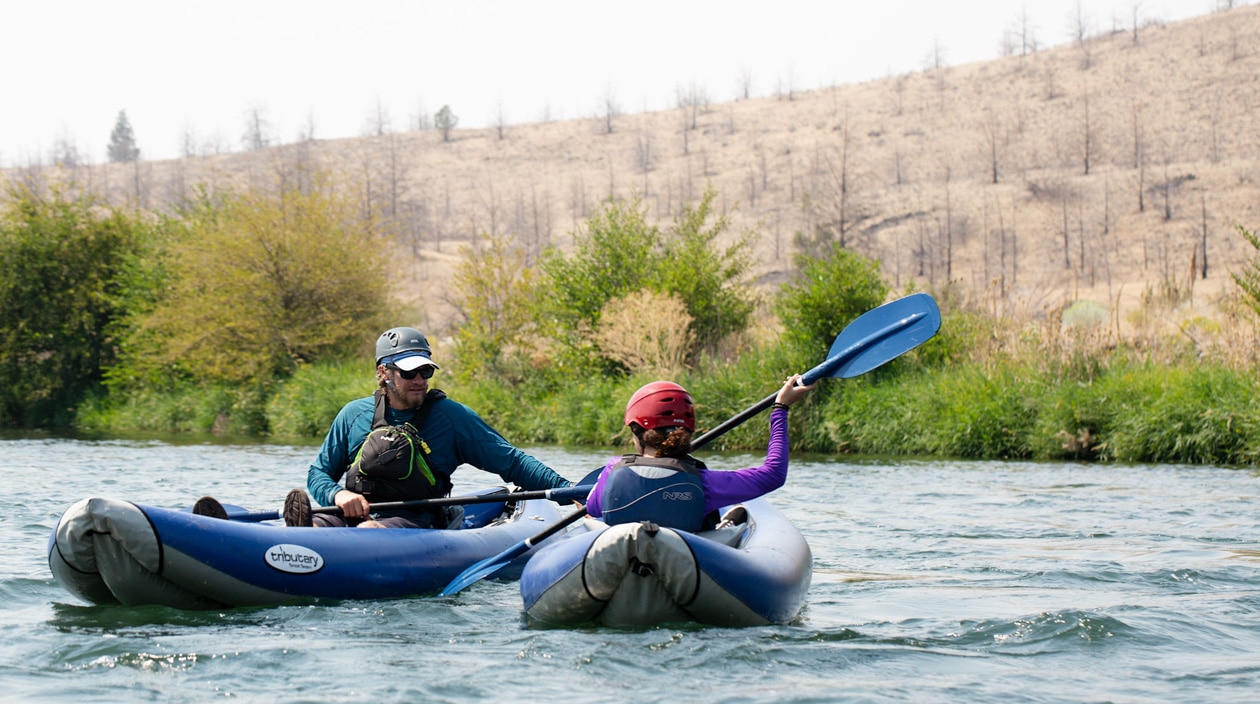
<point x="933" y="581"/>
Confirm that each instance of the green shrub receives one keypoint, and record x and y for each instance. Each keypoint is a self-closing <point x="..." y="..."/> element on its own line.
<point x="963" y="333"/>
<point x="1073" y="420"/>
<point x="69" y="269"/>
<point x="1248" y="278"/>
<point x="965" y="411"/>
<point x="982" y="413"/>
<point x="262" y="283"/>
<point x="620" y="253"/>
<point x="826" y="294"/>
<point x="877" y="419"/>
<point x="306" y="403"/>
<point x="1193" y="414"/>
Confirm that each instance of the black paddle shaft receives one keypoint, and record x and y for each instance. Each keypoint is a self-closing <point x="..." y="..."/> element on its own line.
<point x="560" y="494"/>
<point x="734" y="421"/>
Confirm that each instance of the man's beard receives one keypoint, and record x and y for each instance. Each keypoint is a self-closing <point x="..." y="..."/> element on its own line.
<point x="397" y="400"/>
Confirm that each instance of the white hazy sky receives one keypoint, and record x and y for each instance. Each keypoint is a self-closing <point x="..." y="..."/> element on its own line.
<point x="195" y="67"/>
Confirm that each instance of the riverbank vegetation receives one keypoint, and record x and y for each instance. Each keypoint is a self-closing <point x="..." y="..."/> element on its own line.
<point x="255" y="312"/>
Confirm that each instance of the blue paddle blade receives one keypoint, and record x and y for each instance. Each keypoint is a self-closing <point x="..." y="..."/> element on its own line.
<point x="490" y="565"/>
<point x="879" y="336"/>
<point x="480" y="570"/>
<point x="484" y="568"/>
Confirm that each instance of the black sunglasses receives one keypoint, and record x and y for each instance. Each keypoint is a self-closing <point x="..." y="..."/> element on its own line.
<point x="425" y="372"/>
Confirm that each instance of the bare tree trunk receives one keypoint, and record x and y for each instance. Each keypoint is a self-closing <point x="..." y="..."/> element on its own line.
<point x="1203" y="274"/>
<point x="949" y="231"/>
<point x="366" y="163"/>
<point x="395" y="175"/>
<point x="612" y="110"/>
<point x="992" y="127"/>
<point x="1014" y="242"/>
<point x="840" y="182"/>
<point x="791" y="179"/>
<point x="1107" y="204"/>
<point x="1136" y="5"/>
<point x="1080" y="241"/>
<point x="643" y="154"/>
<point x="1142" y="185"/>
<point x="1067" y="256"/>
<point x="686" y="134"/>
<point x="764" y="165"/>
<point x="577" y="201"/>
<point x="135" y="180"/>
<point x="935" y="250"/>
<point x="1167" y="190"/>
<point x="921" y="252"/>
<point x="1001" y="249"/>
<point x="1088" y="136"/>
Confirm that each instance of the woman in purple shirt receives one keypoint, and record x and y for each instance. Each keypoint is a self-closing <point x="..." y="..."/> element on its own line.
<point x="662" y="483"/>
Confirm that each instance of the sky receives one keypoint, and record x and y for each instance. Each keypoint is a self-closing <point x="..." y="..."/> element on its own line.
<point x="190" y="72"/>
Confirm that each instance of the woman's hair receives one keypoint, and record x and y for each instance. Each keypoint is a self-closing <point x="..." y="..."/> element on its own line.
<point x="674" y="443"/>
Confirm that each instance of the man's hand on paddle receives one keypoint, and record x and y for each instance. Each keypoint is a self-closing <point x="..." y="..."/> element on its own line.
<point x="352" y="505"/>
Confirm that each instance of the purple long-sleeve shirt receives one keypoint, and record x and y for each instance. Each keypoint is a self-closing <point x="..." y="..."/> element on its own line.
<point x="723" y="488"/>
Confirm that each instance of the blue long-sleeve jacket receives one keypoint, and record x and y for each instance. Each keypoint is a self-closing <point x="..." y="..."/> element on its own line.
<point x="453" y="431"/>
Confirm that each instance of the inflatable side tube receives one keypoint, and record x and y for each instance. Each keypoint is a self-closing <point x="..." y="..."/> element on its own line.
<point x="552" y="585"/>
<point x="766" y="577"/>
<point x="105" y="551"/>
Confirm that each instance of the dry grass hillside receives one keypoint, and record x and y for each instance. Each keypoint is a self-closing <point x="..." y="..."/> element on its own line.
<point x="1103" y="170"/>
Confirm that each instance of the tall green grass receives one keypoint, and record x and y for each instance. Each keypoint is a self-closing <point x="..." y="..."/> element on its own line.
<point x="180" y="408"/>
<point x="1108" y="407"/>
<point x="1189" y="413"/>
<point x="306" y="403"/>
<point x="1129" y="411"/>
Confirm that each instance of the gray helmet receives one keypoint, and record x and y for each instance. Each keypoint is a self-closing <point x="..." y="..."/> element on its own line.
<point x="397" y="340"/>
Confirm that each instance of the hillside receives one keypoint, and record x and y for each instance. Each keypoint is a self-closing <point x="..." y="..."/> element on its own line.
<point x="1096" y="171"/>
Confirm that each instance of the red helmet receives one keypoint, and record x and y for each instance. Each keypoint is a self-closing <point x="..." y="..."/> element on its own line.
<point x="660" y="404"/>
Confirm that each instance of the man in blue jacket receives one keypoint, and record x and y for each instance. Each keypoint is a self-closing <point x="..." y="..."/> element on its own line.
<point x="403" y="443"/>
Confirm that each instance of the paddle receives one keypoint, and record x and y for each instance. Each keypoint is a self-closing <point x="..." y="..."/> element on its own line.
<point x="568" y="493"/>
<point x="876" y="337"/>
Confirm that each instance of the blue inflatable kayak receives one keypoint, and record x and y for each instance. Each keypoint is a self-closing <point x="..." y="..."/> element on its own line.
<point x="754" y="569"/>
<point x="106" y="551"/>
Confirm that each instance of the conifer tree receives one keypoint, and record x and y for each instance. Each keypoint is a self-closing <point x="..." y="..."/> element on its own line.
<point x="445" y="120"/>
<point x="122" y="143"/>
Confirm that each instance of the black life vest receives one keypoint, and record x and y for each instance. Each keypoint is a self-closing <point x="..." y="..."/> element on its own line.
<point x="391" y="463"/>
<point x="664" y="490"/>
